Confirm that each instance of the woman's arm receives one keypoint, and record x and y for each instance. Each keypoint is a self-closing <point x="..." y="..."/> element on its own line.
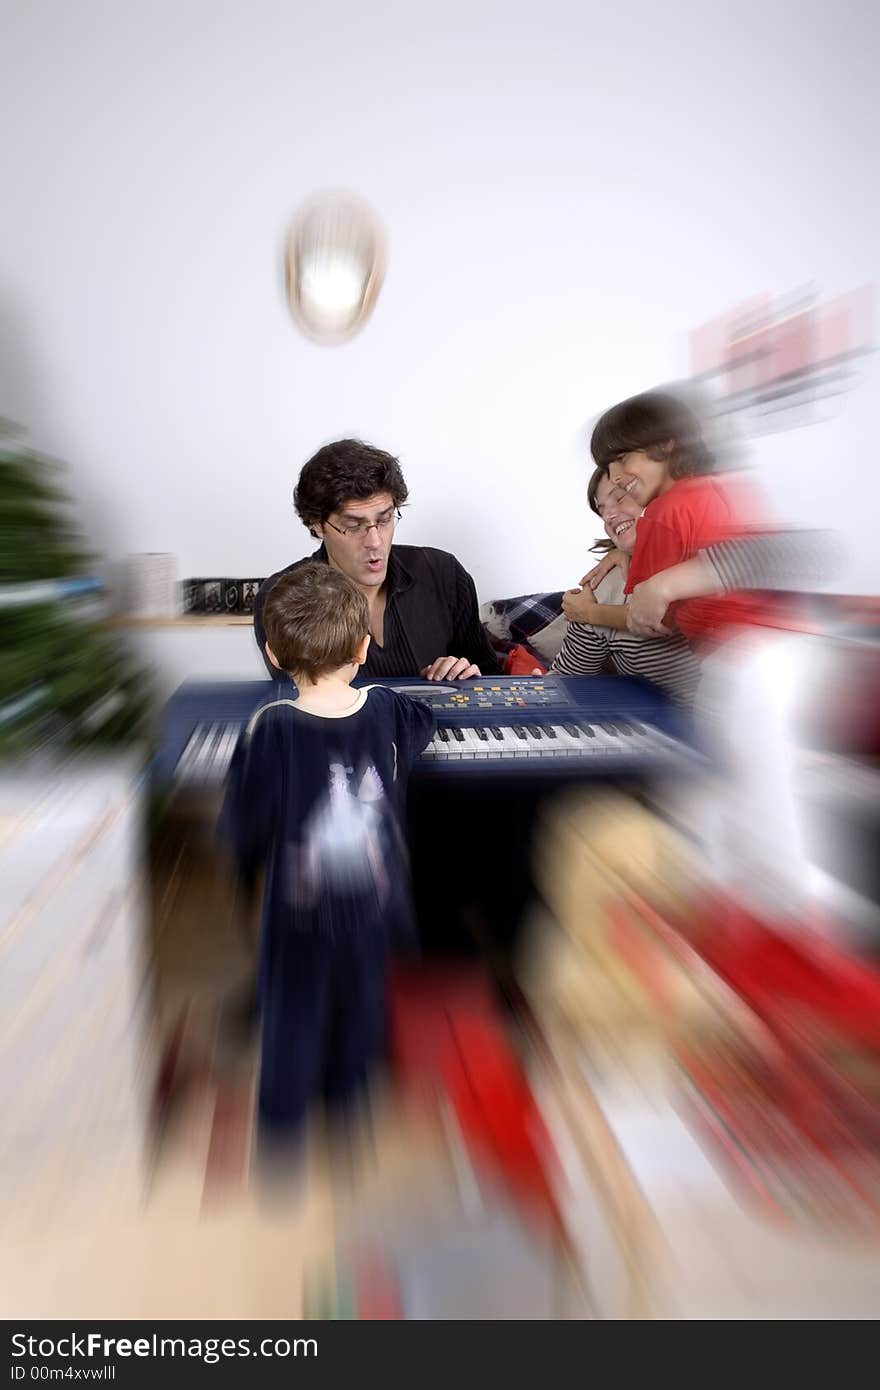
<point x="612" y="559"/>
<point x="579" y="606"/>
<point x="610" y="615"/>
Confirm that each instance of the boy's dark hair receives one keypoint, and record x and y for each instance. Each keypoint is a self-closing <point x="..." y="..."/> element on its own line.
<point x="345" y="471"/>
<point x="315" y="619"/>
<point x="652" y="422"/>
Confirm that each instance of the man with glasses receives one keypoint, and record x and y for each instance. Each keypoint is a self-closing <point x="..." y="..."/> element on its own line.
<point x="424" y="616"/>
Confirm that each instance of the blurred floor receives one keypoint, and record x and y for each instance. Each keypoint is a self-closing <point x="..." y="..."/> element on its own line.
<point x="660" y="1230"/>
<point x="189" y="1237"/>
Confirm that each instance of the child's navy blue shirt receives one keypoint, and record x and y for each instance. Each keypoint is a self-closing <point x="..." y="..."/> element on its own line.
<point x="318" y="800"/>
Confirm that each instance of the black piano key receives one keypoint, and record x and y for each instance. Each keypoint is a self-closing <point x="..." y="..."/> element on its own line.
<point x="588" y="730"/>
<point x="534" y="730"/>
<point x="609" y="728"/>
<point x="442" y="734"/>
<point x="572" y="730"/>
<point x="548" y="731"/>
<point x="496" y="732"/>
<point x="457" y="734"/>
<point x="482" y="734"/>
<point x="520" y="733"/>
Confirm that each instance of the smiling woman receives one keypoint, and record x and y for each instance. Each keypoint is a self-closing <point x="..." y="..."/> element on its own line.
<point x="596" y="638"/>
<point x="619" y="510"/>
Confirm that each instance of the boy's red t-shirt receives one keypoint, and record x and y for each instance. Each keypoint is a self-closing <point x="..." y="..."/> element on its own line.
<point x="694" y="514"/>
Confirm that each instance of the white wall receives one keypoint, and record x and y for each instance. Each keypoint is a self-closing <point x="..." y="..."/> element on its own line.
<point x="568" y="188"/>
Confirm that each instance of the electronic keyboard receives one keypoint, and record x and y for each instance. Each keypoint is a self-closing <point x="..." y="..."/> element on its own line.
<point x="548" y="727"/>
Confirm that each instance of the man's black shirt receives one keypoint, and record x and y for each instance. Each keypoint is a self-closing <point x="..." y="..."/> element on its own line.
<point x="431" y="610"/>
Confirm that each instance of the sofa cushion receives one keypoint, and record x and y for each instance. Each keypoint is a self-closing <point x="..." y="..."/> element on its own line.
<point x="534" y="621"/>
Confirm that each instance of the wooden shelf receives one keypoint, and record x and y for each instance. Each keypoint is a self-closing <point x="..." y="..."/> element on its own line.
<point x="185" y="620"/>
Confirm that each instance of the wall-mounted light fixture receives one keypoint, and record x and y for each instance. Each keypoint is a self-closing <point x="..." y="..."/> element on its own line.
<point x="334" y="266"/>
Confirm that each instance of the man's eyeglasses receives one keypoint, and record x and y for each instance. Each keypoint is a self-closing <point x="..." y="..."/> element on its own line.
<point x="359" y="529"/>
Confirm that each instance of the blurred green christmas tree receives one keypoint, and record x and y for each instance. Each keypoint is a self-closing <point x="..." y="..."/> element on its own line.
<point x="64" y="680"/>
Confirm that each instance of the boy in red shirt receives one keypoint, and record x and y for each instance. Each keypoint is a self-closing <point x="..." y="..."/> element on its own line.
<point x="763" y="924"/>
<point x="653" y="446"/>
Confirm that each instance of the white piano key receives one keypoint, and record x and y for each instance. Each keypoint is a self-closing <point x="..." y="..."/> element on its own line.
<point x="664" y="745"/>
<point x="236" y="735"/>
<point x="210" y="752"/>
<point x="556" y="745"/>
<point x="531" y="747"/>
<point x="466" y="745"/>
<point x="569" y="745"/>
<point x="631" y="747"/>
<point x="477" y="747"/>
<point x="450" y="748"/>
<point x="539" y="745"/>
<point x="225" y="750"/>
<point x="597" y="741"/>
<point x="510" y="747"/>
<point x="214" y="769"/>
<point x="203" y="733"/>
<point x="207" y="750"/>
<point x="616" y="742"/>
<point x="646" y="742"/>
<point x="199" y="741"/>
<point x="457" y="745"/>
<point x="187" y="759"/>
<point x="520" y="746"/>
<point x="498" y="747"/>
<point x="487" y="745"/>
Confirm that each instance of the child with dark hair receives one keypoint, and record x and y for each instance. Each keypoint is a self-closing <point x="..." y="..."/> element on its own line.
<point x="316" y="795"/>
<point x="754" y="664"/>
<point x="654" y="453"/>
<point x="655" y="423"/>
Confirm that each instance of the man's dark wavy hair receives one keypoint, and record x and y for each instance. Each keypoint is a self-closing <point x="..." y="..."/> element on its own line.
<point x="347" y="471"/>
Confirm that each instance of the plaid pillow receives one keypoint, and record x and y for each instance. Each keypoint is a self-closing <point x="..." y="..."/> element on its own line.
<point x="514" y="621"/>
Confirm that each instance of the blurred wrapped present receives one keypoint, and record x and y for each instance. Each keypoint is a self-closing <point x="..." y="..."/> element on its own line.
<point x="616" y="879"/>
